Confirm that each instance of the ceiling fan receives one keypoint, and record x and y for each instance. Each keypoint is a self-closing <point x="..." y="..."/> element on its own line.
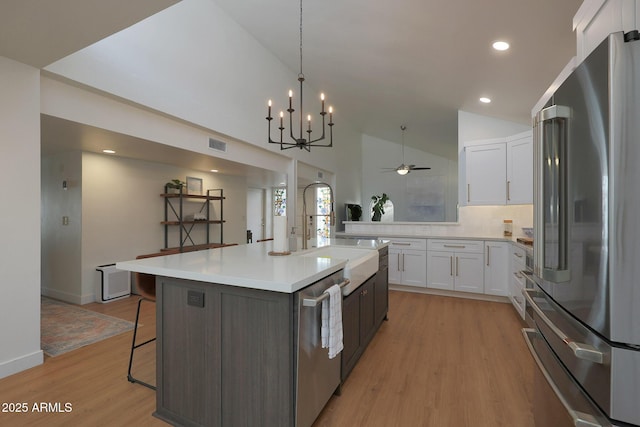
<point x="404" y="169"/>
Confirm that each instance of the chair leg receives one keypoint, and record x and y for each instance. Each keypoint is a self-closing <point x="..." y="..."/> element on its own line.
<point x="134" y="346"/>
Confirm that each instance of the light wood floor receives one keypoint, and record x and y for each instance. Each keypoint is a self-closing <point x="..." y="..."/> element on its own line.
<point x="438" y="361"/>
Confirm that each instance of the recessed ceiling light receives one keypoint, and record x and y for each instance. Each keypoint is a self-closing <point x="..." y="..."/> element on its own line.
<point x="500" y="45"/>
<point x="485" y="100"/>
<point x="214" y="170"/>
<point x="108" y="151"/>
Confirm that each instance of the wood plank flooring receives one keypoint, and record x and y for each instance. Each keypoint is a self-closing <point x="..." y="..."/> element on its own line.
<point x="438" y="361"/>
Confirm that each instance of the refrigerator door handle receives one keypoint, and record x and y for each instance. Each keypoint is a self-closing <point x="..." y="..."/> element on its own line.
<point x="580" y="350"/>
<point x="550" y="193"/>
<point x="580" y="419"/>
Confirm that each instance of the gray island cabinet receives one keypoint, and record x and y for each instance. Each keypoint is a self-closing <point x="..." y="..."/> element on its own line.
<point x="363" y="312"/>
<point x="238" y="334"/>
<point x="225" y="355"/>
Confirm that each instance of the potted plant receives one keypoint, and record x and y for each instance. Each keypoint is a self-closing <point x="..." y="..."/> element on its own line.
<point x="378" y="206"/>
<point x="174" y="186"/>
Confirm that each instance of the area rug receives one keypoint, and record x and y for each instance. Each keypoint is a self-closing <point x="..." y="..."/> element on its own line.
<point x="66" y="327"/>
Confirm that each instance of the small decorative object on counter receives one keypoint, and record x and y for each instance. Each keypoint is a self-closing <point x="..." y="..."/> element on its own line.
<point x="508" y="227"/>
<point x="378" y="206"/>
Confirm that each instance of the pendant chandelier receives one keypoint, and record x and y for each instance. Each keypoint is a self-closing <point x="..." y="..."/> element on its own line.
<point x="300" y="140"/>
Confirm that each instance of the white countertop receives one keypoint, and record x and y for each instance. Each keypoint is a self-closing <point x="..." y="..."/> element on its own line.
<point x="363" y="237"/>
<point x="356" y="243"/>
<point x="249" y="266"/>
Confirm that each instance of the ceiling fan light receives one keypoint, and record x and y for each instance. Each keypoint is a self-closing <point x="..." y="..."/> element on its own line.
<point x="402" y="171"/>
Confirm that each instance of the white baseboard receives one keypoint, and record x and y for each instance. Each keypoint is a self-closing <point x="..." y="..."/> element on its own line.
<point x="62" y="296"/>
<point x="20" y="364"/>
<point x="445" y="293"/>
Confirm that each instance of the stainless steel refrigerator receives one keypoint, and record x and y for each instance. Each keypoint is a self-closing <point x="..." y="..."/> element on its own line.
<point x="585" y="296"/>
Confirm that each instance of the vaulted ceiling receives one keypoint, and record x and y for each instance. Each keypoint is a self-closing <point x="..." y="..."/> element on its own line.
<point x="413" y="62"/>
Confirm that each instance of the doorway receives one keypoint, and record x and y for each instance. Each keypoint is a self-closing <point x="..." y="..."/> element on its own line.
<point x="256" y="213"/>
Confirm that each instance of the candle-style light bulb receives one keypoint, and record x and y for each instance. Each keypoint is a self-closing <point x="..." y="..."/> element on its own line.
<point x="269" y="103"/>
<point x="290" y="96"/>
<point x="309" y="121"/>
<point x="322" y="99"/>
<point x="330" y="115"/>
<point x="281" y="116"/>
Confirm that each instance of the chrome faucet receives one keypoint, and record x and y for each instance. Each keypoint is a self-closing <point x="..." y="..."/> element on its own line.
<point x="332" y="215"/>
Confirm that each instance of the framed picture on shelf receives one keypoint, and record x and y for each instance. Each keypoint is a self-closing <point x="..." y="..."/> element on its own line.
<point x="194" y="186"/>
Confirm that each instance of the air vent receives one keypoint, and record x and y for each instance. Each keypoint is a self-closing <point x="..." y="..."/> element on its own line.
<point x="320" y="175"/>
<point x="214" y="144"/>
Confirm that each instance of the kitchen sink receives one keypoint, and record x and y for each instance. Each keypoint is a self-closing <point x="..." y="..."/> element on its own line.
<point x="361" y="264"/>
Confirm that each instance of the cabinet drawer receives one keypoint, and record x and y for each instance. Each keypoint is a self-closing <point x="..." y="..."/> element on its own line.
<point x="516" y="297"/>
<point x="456" y="245"/>
<point x="518" y="254"/>
<point x="416" y="244"/>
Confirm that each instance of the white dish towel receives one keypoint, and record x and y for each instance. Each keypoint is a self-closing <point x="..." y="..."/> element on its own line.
<point x="331" y="329"/>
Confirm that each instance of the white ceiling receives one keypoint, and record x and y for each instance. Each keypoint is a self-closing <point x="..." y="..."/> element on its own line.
<point x="39" y="32"/>
<point x="381" y="64"/>
<point x="384" y="63"/>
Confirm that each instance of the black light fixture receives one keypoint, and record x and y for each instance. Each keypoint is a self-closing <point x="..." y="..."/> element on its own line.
<point x="300" y="141"/>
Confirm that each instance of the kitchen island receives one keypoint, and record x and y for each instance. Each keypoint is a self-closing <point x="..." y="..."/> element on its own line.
<point x="237" y="344"/>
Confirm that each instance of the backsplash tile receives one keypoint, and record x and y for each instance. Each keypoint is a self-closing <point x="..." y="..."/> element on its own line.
<point x="473" y="221"/>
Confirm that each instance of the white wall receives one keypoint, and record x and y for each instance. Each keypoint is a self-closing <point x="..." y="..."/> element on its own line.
<point x="437" y="186"/>
<point x="62" y="244"/>
<point x="206" y="70"/>
<point x="210" y="72"/>
<point x="19" y="217"/>
<point x="116" y="215"/>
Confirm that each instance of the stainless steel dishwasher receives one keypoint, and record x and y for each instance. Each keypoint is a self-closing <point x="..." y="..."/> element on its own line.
<point x="317" y="376"/>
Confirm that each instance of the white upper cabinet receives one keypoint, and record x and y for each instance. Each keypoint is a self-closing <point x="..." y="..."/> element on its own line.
<point x="486" y="174"/>
<point x="596" y="19"/>
<point x="500" y="171"/>
<point x="520" y="169"/>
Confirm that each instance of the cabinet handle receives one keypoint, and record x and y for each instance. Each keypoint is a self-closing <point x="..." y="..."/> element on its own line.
<point x="517" y="254"/>
<point x="402" y="262"/>
<point x="398" y="264"/>
<point x="468" y="192"/>
<point x="457" y="263"/>
<point x="508" y="190"/>
<point x="400" y="244"/>
<point x="451" y="264"/>
<point x="488" y="255"/>
<point x="314" y="301"/>
<point x="455" y="246"/>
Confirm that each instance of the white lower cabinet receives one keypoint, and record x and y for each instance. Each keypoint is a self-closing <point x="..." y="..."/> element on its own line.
<point x="408" y="262"/>
<point x="456" y="265"/>
<point x="496" y="269"/>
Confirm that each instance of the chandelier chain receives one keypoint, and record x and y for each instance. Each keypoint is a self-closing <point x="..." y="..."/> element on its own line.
<point x="301" y="38"/>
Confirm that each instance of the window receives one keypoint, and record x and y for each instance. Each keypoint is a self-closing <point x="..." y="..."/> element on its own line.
<point x="323" y="210"/>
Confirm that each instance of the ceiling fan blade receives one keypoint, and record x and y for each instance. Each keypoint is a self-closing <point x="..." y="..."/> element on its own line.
<point x="420" y="169"/>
